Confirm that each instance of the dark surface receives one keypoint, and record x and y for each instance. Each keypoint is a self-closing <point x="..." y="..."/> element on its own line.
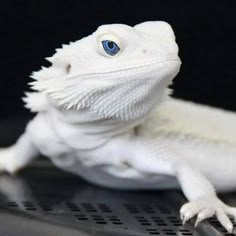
<point x="205" y="30"/>
<point x="43" y="200"/>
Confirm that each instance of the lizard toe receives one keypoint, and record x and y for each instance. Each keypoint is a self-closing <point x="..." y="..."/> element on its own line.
<point x="207" y="207"/>
<point x="224" y="220"/>
<point x="189" y="210"/>
<point x="231" y="211"/>
<point x="204" y="214"/>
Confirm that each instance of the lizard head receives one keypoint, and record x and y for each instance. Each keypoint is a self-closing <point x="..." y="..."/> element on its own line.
<point x="119" y="72"/>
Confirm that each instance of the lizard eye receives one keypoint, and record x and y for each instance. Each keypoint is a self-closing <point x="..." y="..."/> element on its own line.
<point x="109" y="45"/>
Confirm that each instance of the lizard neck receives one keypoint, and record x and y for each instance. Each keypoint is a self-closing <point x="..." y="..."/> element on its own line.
<point x="85" y="131"/>
<point x="89" y="136"/>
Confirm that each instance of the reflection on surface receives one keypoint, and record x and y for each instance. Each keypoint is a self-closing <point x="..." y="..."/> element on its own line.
<point x="22" y="195"/>
<point x="56" y="201"/>
<point x="40" y="184"/>
<point x="15" y="189"/>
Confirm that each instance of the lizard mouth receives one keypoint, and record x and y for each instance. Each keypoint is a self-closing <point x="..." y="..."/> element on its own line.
<point x="139" y="67"/>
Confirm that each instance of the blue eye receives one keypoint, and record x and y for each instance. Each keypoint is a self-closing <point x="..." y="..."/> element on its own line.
<point x="110" y="47"/>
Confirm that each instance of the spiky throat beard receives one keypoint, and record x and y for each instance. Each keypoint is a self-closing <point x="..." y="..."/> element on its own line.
<point x="122" y="96"/>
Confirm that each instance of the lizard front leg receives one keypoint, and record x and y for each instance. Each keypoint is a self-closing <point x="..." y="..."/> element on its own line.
<point x="18" y="155"/>
<point x="154" y="157"/>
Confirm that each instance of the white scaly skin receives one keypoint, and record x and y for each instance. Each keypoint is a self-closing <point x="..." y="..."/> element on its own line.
<point x="110" y="120"/>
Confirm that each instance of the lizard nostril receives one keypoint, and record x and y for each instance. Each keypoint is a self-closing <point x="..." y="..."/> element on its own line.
<point x="68" y="68"/>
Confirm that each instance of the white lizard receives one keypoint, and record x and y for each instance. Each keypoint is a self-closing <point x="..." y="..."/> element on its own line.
<point x="104" y="113"/>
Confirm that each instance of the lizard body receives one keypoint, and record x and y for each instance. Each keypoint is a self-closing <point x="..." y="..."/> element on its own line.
<point x="104" y="113"/>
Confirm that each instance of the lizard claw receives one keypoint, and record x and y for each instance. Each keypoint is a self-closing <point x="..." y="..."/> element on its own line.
<point x="204" y="214"/>
<point x="207" y="207"/>
<point x="185" y="218"/>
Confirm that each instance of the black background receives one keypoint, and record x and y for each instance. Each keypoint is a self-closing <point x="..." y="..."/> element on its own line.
<point x="205" y="31"/>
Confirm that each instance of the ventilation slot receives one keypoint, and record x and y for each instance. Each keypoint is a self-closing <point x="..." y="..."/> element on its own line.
<point x="88" y="207"/>
<point x="185" y="232"/>
<point x="29" y="206"/>
<point x="45" y="206"/>
<point x="158" y="221"/>
<point x="174" y="220"/>
<point x="148" y="209"/>
<point x="164" y="210"/>
<point x="104" y="208"/>
<point x="72" y="207"/>
<point x="169" y="232"/>
<point x="153" y="231"/>
<point x="99" y="219"/>
<point x="143" y="221"/>
<point x="81" y="217"/>
<point x="11" y="204"/>
<point x="115" y="220"/>
<point x="131" y="208"/>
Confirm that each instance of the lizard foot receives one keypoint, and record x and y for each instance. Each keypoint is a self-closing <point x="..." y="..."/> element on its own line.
<point x="207" y="207"/>
<point x="8" y="161"/>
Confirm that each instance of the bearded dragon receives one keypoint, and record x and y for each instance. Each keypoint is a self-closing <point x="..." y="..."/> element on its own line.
<point x="104" y="112"/>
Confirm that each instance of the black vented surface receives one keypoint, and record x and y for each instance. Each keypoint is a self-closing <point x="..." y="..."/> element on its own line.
<point x="63" y="199"/>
